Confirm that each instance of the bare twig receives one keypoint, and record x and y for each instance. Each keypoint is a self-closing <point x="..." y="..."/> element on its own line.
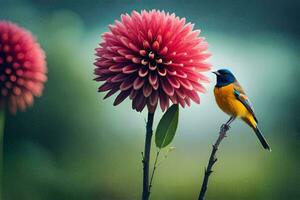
<point x="213" y="159"/>
<point x="154" y="169"/>
<point x="157" y="163"/>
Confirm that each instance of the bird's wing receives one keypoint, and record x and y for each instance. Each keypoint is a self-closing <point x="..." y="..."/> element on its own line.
<point x="242" y="97"/>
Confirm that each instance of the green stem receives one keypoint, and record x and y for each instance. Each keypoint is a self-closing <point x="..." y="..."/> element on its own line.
<point x="146" y="157"/>
<point x="2" y="126"/>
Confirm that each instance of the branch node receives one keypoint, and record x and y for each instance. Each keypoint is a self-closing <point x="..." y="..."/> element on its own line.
<point x="143" y="158"/>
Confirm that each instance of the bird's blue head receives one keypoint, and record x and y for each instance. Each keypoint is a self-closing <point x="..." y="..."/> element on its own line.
<point x="224" y="77"/>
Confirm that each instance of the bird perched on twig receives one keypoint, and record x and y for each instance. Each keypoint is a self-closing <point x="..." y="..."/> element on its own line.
<point x="232" y="99"/>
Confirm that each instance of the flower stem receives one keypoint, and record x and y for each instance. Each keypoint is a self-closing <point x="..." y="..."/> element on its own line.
<point x="2" y="126"/>
<point x="146" y="156"/>
<point x="213" y="159"/>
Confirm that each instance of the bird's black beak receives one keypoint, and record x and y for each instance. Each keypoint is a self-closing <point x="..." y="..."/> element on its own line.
<point x="216" y="73"/>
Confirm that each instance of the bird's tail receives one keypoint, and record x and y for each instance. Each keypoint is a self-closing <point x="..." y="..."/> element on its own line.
<point x="262" y="139"/>
<point x="251" y="122"/>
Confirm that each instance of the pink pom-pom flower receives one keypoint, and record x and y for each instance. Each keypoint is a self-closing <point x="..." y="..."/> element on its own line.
<point x="22" y="67"/>
<point x="152" y="57"/>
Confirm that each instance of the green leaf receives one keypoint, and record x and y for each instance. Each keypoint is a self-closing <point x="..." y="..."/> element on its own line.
<point x="166" y="127"/>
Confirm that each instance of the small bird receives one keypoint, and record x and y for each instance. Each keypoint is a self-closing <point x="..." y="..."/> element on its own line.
<point x="232" y="99"/>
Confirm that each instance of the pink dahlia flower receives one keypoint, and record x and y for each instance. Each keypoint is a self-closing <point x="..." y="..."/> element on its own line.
<point x="22" y="67"/>
<point x="152" y="57"/>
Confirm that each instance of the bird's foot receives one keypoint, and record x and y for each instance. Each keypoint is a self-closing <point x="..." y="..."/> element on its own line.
<point x="225" y="127"/>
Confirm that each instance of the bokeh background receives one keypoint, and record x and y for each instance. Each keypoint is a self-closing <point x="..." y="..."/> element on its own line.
<point x="72" y="145"/>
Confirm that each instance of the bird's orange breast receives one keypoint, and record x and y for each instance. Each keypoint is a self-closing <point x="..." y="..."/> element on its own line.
<point x="227" y="101"/>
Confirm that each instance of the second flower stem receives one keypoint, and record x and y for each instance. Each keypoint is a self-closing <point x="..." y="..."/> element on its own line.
<point x="146" y="156"/>
<point x="2" y="126"/>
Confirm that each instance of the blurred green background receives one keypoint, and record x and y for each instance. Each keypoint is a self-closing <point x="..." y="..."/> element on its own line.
<point x="72" y="145"/>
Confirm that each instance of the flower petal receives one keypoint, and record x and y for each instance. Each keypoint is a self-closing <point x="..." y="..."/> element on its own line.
<point x="111" y="92"/>
<point x="133" y="94"/>
<point x="126" y="84"/>
<point x="181" y="102"/>
<point x="123" y="95"/>
<point x="162" y="71"/>
<point x="187" y="101"/>
<point x="168" y="89"/>
<point x="194" y="96"/>
<point x="143" y="72"/>
<point x="130" y="69"/>
<point x="180" y="93"/>
<point x="174" y="99"/>
<point x="138" y="83"/>
<point x="147" y="89"/>
<point x="105" y="87"/>
<point x="164" y="101"/>
<point x="153" y="78"/>
<point x="173" y="81"/>
<point x="115" y="68"/>
<point x="198" y="87"/>
<point x="185" y="83"/>
<point x="118" y="78"/>
<point x="153" y="98"/>
<point x="139" y="102"/>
